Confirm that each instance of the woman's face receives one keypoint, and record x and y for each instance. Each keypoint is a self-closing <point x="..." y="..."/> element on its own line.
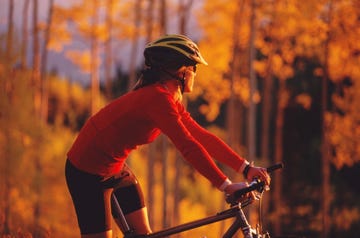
<point x="190" y="73"/>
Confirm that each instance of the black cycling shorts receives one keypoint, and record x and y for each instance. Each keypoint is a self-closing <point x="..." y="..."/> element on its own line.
<point x="92" y="200"/>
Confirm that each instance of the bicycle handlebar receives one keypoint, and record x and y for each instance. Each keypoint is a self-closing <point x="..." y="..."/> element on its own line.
<point x="274" y="167"/>
<point x="254" y="185"/>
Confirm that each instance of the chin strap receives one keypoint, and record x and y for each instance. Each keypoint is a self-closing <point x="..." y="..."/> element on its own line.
<point x="180" y="79"/>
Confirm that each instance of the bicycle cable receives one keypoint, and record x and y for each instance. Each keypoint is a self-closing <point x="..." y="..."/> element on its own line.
<point x="260" y="212"/>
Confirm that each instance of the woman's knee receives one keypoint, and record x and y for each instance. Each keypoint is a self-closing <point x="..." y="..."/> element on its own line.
<point x="128" y="193"/>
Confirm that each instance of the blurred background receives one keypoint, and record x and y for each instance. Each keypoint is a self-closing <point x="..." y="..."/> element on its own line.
<point x="282" y="85"/>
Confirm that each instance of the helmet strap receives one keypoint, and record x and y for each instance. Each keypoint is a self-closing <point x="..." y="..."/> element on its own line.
<point x="180" y="79"/>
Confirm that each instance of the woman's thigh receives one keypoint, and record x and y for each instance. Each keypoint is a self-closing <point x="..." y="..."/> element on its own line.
<point x="91" y="200"/>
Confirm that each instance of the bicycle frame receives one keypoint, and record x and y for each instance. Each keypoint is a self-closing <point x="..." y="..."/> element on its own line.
<point x="235" y="211"/>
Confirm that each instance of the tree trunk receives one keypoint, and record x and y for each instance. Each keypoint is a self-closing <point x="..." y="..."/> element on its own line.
<point x="183" y="12"/>
<point x="7" y="86"/>
<point x="149" y="20"/>
<point x="44" y="77"/>
<point x="252" y="105"/>
<point x="94" y="68"/>
<point x="8" y="79"/>
<point x="253" y="87"/>
<point x="151" y="181"/>
<point x="7" y="185"/>
<point x="152" y="147"/>
<point x="234" y="107"/>
<point x="36" y="84"/>
<point x="108" y="48"/>
<point x="325" y="153"/>
<point x="267" y="103"/>
<point x="24" y="38"/>
<point x="235" y="120"/>
<point x="134" y="43"/>
<point x="277" y="179"/>
<point x="165" y="159"/>
<point x="165" y="181"/>
<point x="9" y="37"/>
<point x="163" y="17"/>
<point x="325" y="157"/>
<point x="266" y="110"/>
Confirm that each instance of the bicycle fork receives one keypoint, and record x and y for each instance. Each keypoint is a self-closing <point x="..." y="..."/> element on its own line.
<point x="242" y="223"/>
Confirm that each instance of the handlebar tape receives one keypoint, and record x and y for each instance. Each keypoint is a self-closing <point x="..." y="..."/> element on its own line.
<point x="274" y="167"/>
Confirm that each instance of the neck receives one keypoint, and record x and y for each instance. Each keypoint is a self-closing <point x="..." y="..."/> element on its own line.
<point x="174" y="88"/>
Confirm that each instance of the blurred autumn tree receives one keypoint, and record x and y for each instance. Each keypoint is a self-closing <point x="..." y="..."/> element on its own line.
<point x="344" y="56"/>
<point x="23" y="138"/>
<point x="290" y="40"/>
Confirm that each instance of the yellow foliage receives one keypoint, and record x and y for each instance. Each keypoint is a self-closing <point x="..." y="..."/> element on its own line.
<point x="57" y="45"/>
<point x="345" y="217"/>
<point x="344" y="130"/>
<point x="217" y="20"/>
<point x="305" y="100"/>
<point x="261" y="68"/>
<point x="60" y="35"/>
<point x="343" y="45"/>
<point x="21" y="203"/>
<point x="277" y="63"/>
<point x="81" y="58"/>
<point x="241" y="88"/>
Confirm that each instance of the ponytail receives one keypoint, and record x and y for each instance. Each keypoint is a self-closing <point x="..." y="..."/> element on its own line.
<point x="148" y="76"/>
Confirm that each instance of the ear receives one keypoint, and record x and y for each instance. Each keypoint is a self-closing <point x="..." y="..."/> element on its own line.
<point x="180" y="73"/>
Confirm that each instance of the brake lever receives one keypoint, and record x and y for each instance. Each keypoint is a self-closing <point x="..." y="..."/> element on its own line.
<point x="255" y="185"/>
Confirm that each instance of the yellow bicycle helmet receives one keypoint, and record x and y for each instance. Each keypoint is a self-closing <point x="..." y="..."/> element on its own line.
<point x="171" y="49"/>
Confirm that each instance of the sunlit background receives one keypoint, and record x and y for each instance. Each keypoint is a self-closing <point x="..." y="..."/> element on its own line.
<point x="282" y="85"/>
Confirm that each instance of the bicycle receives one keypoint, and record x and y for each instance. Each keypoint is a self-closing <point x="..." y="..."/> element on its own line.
<point x="237" y="203"/>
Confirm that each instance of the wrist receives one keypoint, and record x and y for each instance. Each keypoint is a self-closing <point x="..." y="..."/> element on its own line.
<point x="226" y="183"/>
<point x="242" y="167"/>
<point x="246" y="170"/>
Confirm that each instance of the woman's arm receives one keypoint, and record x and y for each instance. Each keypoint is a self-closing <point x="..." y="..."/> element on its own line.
<point x="163" y="111"/>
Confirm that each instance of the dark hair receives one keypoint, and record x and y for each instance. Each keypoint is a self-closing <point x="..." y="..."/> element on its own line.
<point x="148" y="76"/>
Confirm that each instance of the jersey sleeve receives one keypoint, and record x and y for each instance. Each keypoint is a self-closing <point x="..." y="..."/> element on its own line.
<point x="164" y="113"/>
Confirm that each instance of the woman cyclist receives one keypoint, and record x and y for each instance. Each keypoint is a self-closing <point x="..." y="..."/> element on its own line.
<point x="138" y="117"/>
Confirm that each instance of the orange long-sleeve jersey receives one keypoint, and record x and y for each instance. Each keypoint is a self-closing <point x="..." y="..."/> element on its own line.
<point x="137" y="118"/>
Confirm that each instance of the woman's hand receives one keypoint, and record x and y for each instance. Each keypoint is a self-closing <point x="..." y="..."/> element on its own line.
<point x="258" y="172"/>
<point x="231" y="188"/>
